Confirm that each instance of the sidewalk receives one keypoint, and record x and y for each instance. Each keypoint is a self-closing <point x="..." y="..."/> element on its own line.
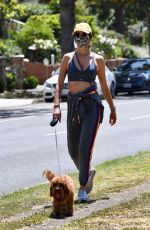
<point x="17" y="102"/>
<point x="10" y="103"/>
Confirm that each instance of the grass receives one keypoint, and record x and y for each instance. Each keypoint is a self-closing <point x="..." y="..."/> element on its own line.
<point x="119" y="174"/>
<point x="134" y="215"/>
<point x="23" y="201"/>
<point x="112" y="177"/>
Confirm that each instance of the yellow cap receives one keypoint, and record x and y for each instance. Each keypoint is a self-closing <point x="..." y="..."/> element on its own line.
<point x="84" y="27"/>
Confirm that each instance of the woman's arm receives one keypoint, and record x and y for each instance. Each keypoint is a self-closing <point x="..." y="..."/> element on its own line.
<point x="105" y="90"/>
<point x="61" y="78"/>
<point x="59" y="86"/>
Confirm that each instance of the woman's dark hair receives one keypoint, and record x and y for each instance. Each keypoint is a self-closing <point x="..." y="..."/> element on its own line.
<point x="90" y="34"/>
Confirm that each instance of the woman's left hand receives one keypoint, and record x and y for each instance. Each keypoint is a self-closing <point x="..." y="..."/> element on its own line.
<point x="113" y="116"/>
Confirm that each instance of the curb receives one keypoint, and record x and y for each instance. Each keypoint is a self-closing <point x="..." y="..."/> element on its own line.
<point x="38" y="100"/>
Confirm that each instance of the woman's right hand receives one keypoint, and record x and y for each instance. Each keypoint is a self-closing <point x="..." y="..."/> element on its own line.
<point x="57" y="113"/>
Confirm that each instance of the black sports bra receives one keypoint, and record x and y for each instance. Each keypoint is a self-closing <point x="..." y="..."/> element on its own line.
<point x="87" y="75"/>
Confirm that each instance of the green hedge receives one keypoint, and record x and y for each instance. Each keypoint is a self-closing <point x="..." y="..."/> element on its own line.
<point x="30" y="82"/>
<point x="10" y="81"/>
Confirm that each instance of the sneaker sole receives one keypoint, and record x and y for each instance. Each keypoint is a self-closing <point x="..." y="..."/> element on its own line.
<point x="90" y="183"/>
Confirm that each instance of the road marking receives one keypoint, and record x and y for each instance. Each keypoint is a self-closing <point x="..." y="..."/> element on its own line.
<point x="64" y="111"/>
<point x="15" y="119"/>
<point x="141" y="117"/>
<point x="117" y="102"/>
<point x="59" y="132"/>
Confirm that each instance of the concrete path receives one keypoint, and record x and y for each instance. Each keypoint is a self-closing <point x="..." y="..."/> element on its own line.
<point x="114" y="200"/>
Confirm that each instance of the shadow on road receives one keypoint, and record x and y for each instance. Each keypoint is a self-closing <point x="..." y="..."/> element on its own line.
<point x="23" y="112"/>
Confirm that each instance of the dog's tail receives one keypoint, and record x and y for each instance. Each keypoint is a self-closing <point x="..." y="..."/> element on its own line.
<point x="49" y="175"/>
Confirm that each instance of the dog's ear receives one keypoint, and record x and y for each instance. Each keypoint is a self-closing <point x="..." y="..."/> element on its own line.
<point x="49" y="175"/>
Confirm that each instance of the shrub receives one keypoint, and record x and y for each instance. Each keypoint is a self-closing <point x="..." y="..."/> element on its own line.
<point x="45" y="48"/>
<point x="111" y="45"/>
<point x="135" y="33"/>
<point x="127" y="51"/>
<point x="32" y="8"/>
<point x="3" y="48"/>
<point x="30" y="82"/>
<point x="10" y="47"/>
<point x="2" y="87"/>
<point x="10" y="81"/>
<point x="108" y="47"/>
<point x="27" y="9"/>
<point x="43" y="27"/>
<point x="145" y="37"/>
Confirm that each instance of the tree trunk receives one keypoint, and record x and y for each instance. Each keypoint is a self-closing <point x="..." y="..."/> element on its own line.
<point x="3" y="28"/>
<point x="148" y="22"/>
<point x="119" y="18"/>
<point x="67" y="20"/>
<point x="2" y="74"/>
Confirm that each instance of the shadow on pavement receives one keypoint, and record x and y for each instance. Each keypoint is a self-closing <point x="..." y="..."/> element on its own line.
<point x="22" y="112"/>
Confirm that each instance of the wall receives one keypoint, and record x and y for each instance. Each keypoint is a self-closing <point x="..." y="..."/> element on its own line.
<point x="38" y="69"/>
<point x="26" y="68"/>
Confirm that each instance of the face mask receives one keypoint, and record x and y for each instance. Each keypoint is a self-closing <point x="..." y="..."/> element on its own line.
<point x="81" y="41"/>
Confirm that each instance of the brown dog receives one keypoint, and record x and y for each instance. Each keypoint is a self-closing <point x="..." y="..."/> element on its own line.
<point x="62" y="190"/>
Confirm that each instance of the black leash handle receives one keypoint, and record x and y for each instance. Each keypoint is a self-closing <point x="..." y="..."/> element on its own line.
<point x="53" y="121"/>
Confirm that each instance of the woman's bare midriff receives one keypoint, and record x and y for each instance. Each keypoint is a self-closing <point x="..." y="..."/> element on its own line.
<point x="77" y="86"/>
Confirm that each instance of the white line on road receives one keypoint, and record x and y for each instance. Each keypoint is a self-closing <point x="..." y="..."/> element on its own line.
<point x="60" y="132"/>
<point x="141" y="117"/>
<point x="117" y="102"/>
<point x="15" y="119"/>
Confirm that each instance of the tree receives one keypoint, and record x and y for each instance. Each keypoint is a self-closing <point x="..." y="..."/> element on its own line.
<point x="67" y="21"/>
<point x="44" y="1"/>
<point x="144" y="6"/>
<point x="141" y="7"/>
<point x="8" y="9"/>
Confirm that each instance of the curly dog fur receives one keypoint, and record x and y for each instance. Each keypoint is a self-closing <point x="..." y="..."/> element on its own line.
<point x="62" y="190"/>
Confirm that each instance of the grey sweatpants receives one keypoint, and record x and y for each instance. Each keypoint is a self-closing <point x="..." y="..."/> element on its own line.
<point x="81" y="134"/>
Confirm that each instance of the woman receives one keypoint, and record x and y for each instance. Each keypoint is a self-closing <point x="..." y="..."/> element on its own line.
<point x="85" y="109"/>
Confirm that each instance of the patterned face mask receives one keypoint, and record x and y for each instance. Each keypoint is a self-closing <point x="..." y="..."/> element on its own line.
<point x="82" y="41"/>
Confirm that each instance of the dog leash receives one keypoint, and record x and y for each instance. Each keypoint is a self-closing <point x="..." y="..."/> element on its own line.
<point x="52" y="124"/>
<point x="58" y="161"/>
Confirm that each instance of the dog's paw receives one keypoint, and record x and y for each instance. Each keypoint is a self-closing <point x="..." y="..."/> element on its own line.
<point x="57" y="215"/>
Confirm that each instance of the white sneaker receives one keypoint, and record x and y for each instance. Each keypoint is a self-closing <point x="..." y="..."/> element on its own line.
<point x="82" y="196"/>
<point x="89" y="185"/>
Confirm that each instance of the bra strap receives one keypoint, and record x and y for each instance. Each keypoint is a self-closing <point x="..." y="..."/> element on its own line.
<point x="79" y="62"/>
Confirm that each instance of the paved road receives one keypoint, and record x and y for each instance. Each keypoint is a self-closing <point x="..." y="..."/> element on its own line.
<point x="27" y="142"/>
